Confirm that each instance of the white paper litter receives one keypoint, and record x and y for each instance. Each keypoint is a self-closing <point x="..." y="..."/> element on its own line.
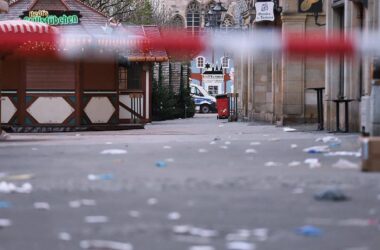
<point x="240" y="235"/>
<point x="5" y="223"/>
<point x="64" y="236"/>
<point x="75" y="204"/>
<point x="250" y="151"/>
<point x="174" y="216"/>
<point x="289" y="129"/>
<point x="41" y="206"/>
<point x="202" y="150"/>
<point x="201" y="248"/>
<point x="354" y="222"/>
<point x="109" y="143"/>
<point x="328" y="139"/>
<point x="152" y="201"/>
<point x="169" y="160"/>
<point x="113" y="152"/>
<point x="240" y="245"/>
<point x="294" y="164"/>
<point x="345" y="164"/>
<point x="96" y="219"/>
<point x="274" y="139"/>
<point x="261" y="234"/>
<point x="344" y="153"/>
<point x="272" y="164"/>
<point x="86" y="202"/>
<point x="167" y="147"/>
<point x="294" y="146"/>
<point x="134" y="214"/>
<point x="212" y="143"/>
<point x="204" y="233"/>
<point x="8" y="187"/>
<point x="194" y="231"/>
<point x="181" y="229"/>
<point x="227" y="143"/>
<point x="313" y="163"/>
<point x="255" y="143"/>
<point x="103" y="244"/>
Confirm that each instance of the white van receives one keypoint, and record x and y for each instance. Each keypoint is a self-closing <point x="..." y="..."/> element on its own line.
<point x="204" y="102"/>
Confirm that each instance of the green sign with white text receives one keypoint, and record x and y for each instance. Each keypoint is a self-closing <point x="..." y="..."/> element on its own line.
<point x="52" y="17"/>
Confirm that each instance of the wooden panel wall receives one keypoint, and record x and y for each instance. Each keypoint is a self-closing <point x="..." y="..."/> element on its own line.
<point x="99" y="76"/>
<point x="50" y="75"/>
<point x="10" y="76"/>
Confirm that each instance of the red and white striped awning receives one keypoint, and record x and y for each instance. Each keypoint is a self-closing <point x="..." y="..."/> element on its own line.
<point x="20" y="26"/>
<point x="19" y="35"/>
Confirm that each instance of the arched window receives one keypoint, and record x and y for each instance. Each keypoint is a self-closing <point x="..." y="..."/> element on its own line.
<point x="210" y="5"/>
<point x="200" y="62"/>
<point x="177" y="22"/>
<point x="225" y="62"/>
<point x="193" y="17"/>
<point x="227" y="22"/>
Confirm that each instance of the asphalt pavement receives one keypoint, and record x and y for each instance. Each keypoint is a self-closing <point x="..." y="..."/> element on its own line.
<point x="190" y="184"/>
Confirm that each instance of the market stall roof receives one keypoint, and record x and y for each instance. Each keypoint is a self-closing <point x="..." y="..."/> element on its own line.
<point x="19" y="35"/>
<point x="92" y="24"/>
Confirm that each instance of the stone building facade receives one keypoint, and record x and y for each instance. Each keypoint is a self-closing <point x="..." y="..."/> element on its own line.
<point x="278" y="88"/>
<point x="350" y="78"/>
<point x="192" y="16"/>
<point x="3" y="6"/>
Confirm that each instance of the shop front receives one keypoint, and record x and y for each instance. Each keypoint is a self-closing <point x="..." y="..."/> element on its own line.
<point x="84" y="90"/>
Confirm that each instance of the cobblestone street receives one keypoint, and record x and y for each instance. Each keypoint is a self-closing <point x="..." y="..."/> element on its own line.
<point x="185" y="184"/>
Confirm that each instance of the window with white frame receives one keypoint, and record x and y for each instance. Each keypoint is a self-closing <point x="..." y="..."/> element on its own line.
<point x="225" y="62"/>
<point x="193" y="17"/>
<point x="200" y="62"/>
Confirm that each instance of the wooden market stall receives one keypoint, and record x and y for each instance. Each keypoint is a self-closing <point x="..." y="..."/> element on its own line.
<point x="93" y="90"/>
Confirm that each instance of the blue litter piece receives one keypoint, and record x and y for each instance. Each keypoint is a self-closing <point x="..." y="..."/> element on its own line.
<point x="335" y="145"/>
<point x="106" y="177"/>
<point x="309" y="231"/>
<point x="161" y="164"/>
<point x="5" y="204"/>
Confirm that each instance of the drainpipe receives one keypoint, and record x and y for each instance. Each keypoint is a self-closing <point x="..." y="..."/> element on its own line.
<point x="3" y="8"/>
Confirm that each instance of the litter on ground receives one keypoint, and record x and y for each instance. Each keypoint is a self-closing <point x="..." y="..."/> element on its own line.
<point x="331" y="194"/>
<point x="98" y="177"/>
<point x="317" y="150"/>
<point x="309" y="231"/>
<point x="240" y="245"/>
<point x="290" y="129"/>
<point x="344" y="153"/>
<point x="313" y="163"/>
<point x="103" y="244"/>
<point x="174" y="216"/>
<point x="8" y="187"/>
<point x="41" y="206"/>
<point x="5" y="223"/>
<point x="345" y="164"/>
<point x="294" y="164"/>
<point x="96" y="219"/>
<point x="113" y="152"/>
<point x="64" y="236"/>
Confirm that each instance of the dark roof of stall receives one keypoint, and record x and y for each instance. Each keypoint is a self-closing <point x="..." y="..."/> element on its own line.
<point x="91" y="22"/>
